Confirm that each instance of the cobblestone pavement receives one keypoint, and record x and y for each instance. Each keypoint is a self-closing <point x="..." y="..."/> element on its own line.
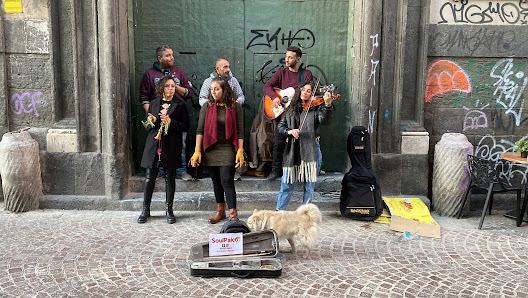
<point x="56" y="253"/>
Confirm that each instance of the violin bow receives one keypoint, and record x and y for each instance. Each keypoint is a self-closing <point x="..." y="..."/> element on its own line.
<point x="309" y="105"/>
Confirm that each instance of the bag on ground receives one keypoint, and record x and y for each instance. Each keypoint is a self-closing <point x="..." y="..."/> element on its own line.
<point x="360" y="193"/>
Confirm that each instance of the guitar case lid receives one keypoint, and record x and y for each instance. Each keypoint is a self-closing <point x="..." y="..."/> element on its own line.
<point x="257" y="260"/>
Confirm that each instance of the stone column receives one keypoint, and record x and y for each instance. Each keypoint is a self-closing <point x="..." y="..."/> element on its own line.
<point x="114" y="78"/>
<point x="450" y="173"/>
<point x="20" y="171"/>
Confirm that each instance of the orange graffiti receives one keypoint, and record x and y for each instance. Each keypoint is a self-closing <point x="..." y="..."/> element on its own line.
<point x="444" y="76"/>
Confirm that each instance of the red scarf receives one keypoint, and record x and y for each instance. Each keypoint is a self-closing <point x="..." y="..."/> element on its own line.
<point x="210" y="127"/>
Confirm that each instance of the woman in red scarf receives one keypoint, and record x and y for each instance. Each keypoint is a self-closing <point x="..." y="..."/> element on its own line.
<point x="220" y="137"/>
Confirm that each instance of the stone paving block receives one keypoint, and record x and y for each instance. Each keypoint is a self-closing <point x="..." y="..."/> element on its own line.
<point x="50" y="253"/>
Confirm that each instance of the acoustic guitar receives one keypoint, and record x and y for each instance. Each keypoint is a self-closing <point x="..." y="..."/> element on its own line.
<point x="285" y="96"/>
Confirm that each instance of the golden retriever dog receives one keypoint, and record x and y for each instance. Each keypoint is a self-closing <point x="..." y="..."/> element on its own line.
<point x="303" y="222"/>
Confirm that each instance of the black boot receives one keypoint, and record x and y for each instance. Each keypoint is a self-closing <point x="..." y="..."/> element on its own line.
<point x="170" y="188"/>
<point x="274" y="174"/>
<point x="147" y="195"/>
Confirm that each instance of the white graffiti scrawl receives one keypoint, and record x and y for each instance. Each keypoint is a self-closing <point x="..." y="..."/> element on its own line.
<point x="475" y="119"/>
<point x="372" y="78"/>
<point x="508" y="90"/>
<point x="489" y="148"/>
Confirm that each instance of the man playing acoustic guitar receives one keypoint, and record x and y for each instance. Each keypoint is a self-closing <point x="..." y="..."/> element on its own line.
<point x="289" y="76"/>
<point x="263" y="128"/>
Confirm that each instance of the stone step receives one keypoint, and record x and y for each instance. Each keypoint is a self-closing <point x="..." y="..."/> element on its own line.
<point x="200" y="201"/>
<point x="325" y="183"/>
<point x="246" y="201"/>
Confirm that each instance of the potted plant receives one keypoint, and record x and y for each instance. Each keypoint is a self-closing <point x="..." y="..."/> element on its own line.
<point x="522" y="146"/>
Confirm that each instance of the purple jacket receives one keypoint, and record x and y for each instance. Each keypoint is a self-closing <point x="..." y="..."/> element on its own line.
<point x="147" y="87"/>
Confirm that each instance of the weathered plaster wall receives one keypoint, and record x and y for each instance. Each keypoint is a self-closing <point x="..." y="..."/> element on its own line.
<point x="50" y="77"/>
<point x="477" y="75"/>
<point x="28" y="75"/>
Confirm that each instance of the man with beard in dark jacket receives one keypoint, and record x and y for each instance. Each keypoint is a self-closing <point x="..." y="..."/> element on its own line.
<point x="184" y="91"/>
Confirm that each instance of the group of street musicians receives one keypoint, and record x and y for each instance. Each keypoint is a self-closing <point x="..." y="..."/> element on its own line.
<point x="284" y="134"/>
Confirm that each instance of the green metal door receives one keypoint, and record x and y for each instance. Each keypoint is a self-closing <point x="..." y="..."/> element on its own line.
<point x="253" y="36"/>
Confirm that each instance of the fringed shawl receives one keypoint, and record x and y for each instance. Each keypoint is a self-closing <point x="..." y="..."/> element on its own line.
<point x="299" y="163"/>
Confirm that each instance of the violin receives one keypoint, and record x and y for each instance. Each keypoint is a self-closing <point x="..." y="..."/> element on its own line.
<point x="319" y="100"/>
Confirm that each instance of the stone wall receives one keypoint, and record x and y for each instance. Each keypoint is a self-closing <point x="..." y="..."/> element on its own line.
<point x="477" y="76"/>
<point x="50" y="76"/>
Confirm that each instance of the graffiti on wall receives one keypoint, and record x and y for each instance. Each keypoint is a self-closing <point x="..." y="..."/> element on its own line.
<point x="475" y="119"/>
<point x="26" y="103"/>
<point x="303" y="38"/>
<point x="491" y="149"/>
<point x="483" y="39"/>
<point x="445" y="76"/>
<point x="506" y="91"/>
<point x="268" y="69"/>
<point x="374" y="63"/>
<point x="509" y="88"/>
<point x="485" y="12"/>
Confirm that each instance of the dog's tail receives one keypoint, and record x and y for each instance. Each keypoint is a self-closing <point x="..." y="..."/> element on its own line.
<point x="311" y="211"/>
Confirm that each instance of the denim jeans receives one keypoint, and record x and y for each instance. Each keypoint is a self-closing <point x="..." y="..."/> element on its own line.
<point x="183" y="169"/>
<point x="286" y="190"/>
<point x="318" y="156"/>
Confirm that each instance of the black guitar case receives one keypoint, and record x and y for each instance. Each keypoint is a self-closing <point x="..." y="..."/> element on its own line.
<point x="360" y="194"/>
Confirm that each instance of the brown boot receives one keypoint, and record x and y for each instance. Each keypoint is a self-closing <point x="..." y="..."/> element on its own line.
<point x="219" y="215"/>
<point x="233" y="214"/>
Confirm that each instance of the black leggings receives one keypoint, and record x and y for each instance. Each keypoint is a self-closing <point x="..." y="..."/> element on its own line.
<point x="224" y="182"/>
<point x="170" y="182"/>
<point x="278" y="152"/>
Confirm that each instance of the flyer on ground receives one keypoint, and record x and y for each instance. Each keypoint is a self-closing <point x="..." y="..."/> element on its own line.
<point x="225" y="244"/>
<point x="411" y="215"/>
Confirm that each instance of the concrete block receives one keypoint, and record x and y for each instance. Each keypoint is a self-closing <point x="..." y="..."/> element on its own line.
<point x="415" y="174"/>
<point x="389" y="171"/>
<point x="39" y="135"/>
<point x="27" y="36"/>
<point x="415" y="143"/>
<point x="62" y="140"/>
<point x="30" y="72"/>
<point x="30" y="108"/>
<point x="448" y="120"/>
<point x="72" y="173"/>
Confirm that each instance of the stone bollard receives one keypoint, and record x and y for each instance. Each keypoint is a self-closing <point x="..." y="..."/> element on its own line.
<point x="20" y="171"/>
<point x="450" y="173"/>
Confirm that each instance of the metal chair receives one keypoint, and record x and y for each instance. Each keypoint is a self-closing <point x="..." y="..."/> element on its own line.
<point x="523" y="209"/>
<point x="484" y="176"/>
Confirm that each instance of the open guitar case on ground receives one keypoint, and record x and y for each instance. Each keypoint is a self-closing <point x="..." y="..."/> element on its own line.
<point x="258" y="259"/>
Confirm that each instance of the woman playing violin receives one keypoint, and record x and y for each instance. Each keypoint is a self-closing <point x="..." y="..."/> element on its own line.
<point x="301" y="161"/>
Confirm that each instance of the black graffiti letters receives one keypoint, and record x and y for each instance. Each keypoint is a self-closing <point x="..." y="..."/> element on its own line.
<point x="495" y="11"/>
<point x="303" y="38"/>
<point x="267" y="70"/>
<point x="267" y="41"/>
<point x="483" y="39"/>
<point x="300" y="36"/>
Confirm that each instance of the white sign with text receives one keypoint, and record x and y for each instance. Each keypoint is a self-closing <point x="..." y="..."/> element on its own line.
<point x="225" y="244"/>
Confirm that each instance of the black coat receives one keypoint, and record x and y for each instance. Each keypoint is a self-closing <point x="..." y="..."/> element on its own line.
<point x="171" y="144"/>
